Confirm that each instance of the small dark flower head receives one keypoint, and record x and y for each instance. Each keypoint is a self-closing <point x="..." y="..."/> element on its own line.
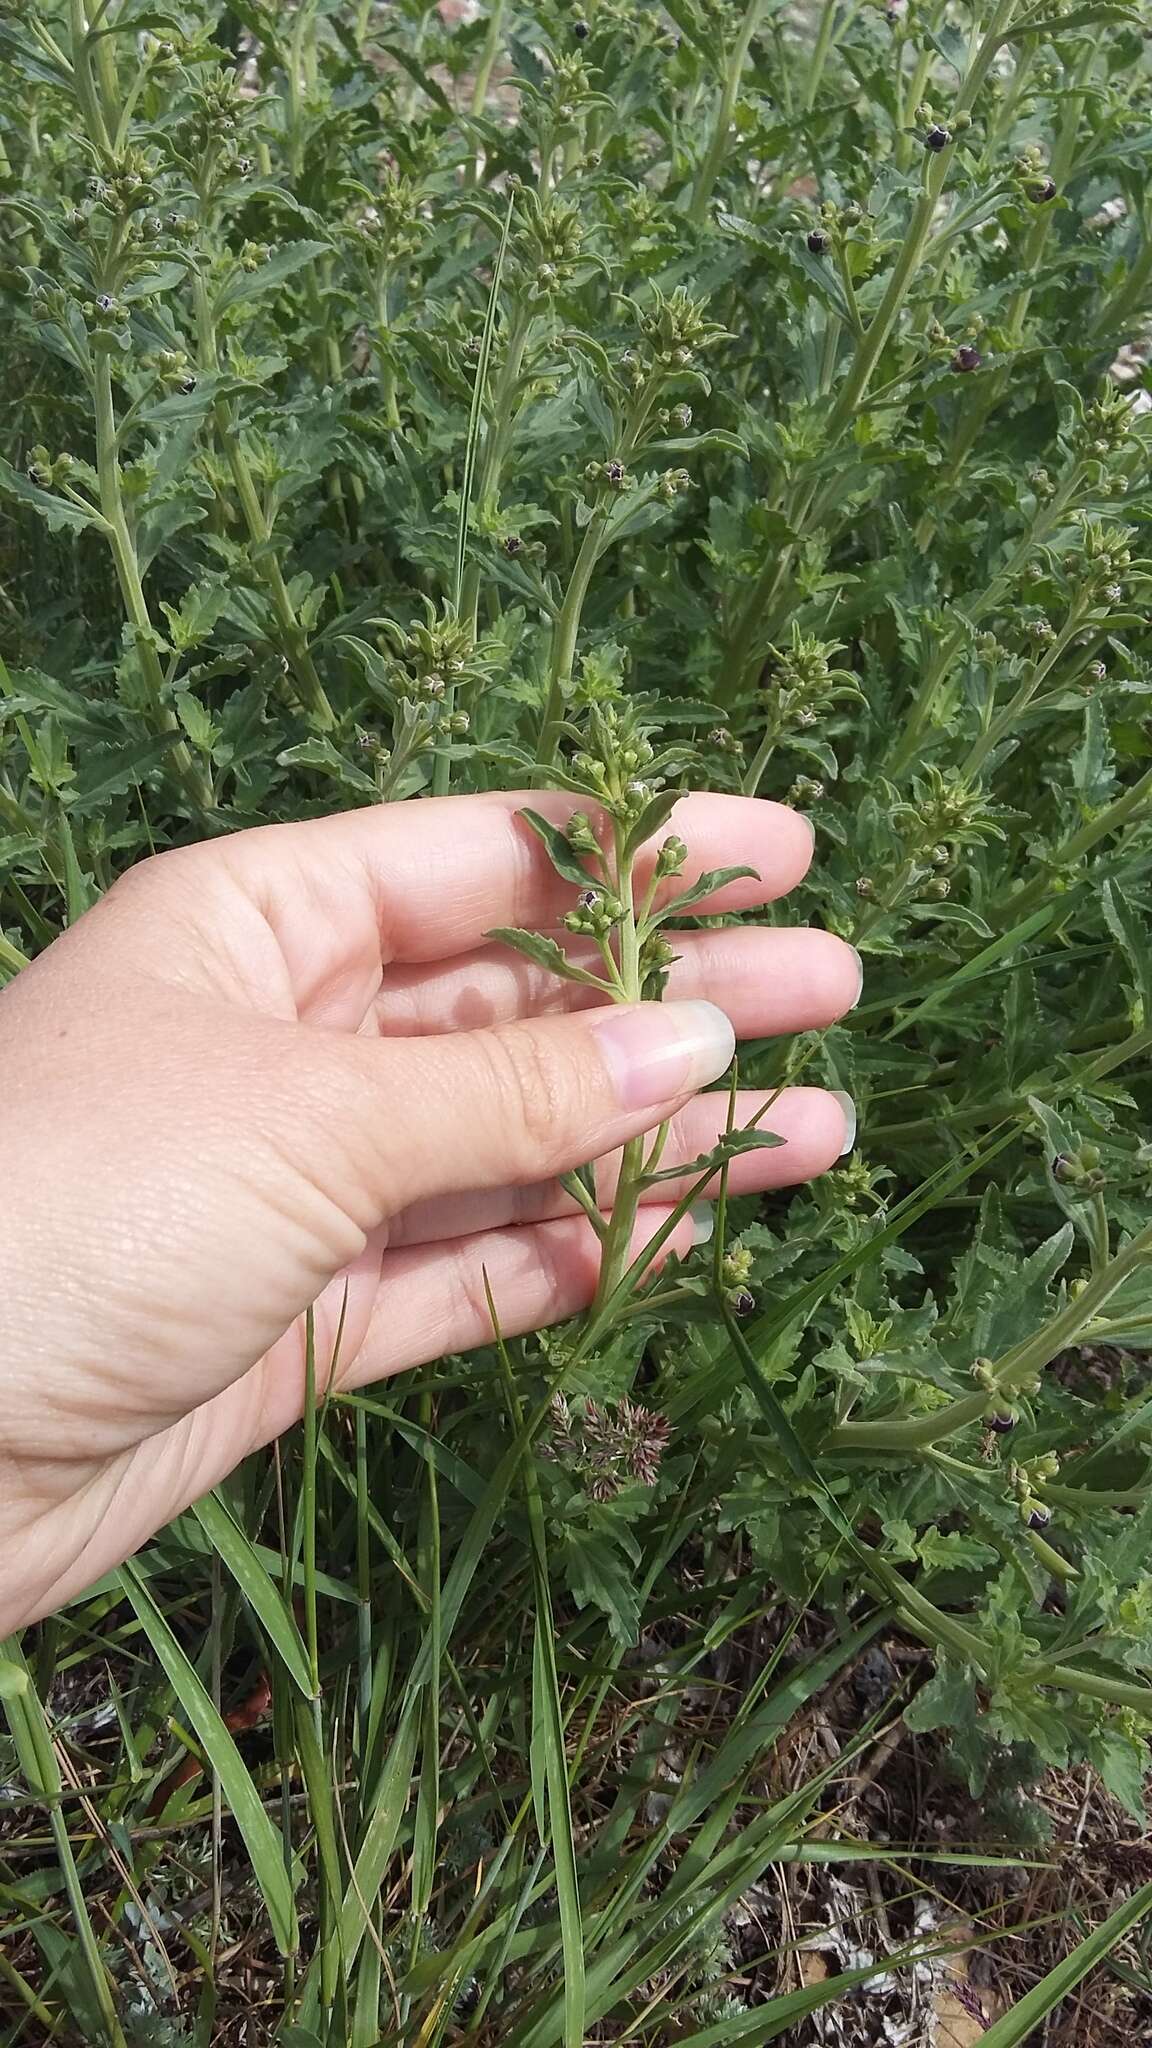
<point x="937" y="138"/>
<point x="1097" y="671"/>
<point x="513" y="545"/>
<point x="817" y="241"/>
<point x="581" y="31"/>
<point x="1039" y="1516"/>
<point x="966" y="357"/>
<point x="587" y="899"/>
<point x="105" y="303"/>
<point x="742" y="1301"/>
<point x="187" y="386"/>
<point x="1002" y="1421"/>
<point x="1042" y="191"/>
<point x="614" y="472"/>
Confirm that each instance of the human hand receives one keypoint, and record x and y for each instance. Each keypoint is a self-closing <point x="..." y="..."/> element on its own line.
<point x="285" y="1069"/>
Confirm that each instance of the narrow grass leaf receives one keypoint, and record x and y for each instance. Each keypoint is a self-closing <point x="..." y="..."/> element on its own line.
<point x="261" y="1839"/>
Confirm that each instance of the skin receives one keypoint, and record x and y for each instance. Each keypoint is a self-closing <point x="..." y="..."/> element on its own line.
<point x="285" y="1069"/>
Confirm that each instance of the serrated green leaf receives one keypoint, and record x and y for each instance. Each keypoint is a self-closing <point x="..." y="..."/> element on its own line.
<point x="547" y="953"/>
<point x="565" y="862"/>
<point x="729" y="1147"/>
<point x="245" y="286"/>
<point x="59" y="513"/>
<point x="707" y="885"/>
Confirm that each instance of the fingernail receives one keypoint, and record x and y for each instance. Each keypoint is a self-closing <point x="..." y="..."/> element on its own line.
<point x="661" y="1050"/>
<point x="849" y="1109"/>
<point x="703" y="1222"/>
<point x="860" y="978"/>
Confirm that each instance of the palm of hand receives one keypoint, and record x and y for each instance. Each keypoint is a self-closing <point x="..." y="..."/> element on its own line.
<point x="285" y="1069"/>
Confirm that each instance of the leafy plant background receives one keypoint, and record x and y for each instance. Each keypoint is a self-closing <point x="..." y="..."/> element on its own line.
<point x="385" y="386"/>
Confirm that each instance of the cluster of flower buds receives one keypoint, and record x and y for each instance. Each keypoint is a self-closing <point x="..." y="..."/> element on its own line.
<point x="172" y="369"/>
<point x="671" y="857"/>
<point x="395" y="217"/>
<point x="804" y="682"/>
<point x="548" y="247"/>
<point x="736" y="1272"/>
<point x="1107" y="422"/>
<point x="618" y="764"/>
<point x="943" y="812"/>
<point x="613" y="475"/>
<point x="1032" y="177"/>
<point x="1101" y="561"/>
<point x="673" y="484"/>
<point x="596" y="915"/>
<point x="433" y="654"/>
<point x="806" y="789"/>
<point x="607" y="1451"/>
<point x="1028" y="1482"/>
<point x="657" y="956"/>
<point x="125" y="187"/>
<point x="1080" y="1170"/>
<point x="725" y="741"/>
<point x="837" y="223"/>
<point x="677" y="329"/>
<point x="933" y="132"/>
<point x="677" y="416"/>
<point x="48" y="471"/>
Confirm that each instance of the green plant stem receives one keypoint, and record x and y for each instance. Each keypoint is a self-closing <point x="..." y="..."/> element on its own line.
<point x="626" y="1200"/>
<point x="821" y="49"/>
<point x="564" y="637"/>
<point x="86" y="89"/>
<point x="483" y="76"/>
<point x="1120" y="812"/>
<point x="744" y="651"/>
<point x="718" y="146"/>
<point x="294" y="642"/>
<point x="1009" y="1372"/>
<point x="995" y="387"/>
<point x="1003" y="725"/>
<point x="1047" y="519"/>
<point x="193" y="781"/>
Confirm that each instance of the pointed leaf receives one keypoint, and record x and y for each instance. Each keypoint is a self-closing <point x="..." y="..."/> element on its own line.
<point x="263" y="1843"/>
<point x="729" y="1147"/>
<point x="547" y="953"/>
<point x="560" y="854"/>
<point x="707" y="885"/>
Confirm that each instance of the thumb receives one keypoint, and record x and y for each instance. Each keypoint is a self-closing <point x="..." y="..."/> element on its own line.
<point x="516" y="1104"/>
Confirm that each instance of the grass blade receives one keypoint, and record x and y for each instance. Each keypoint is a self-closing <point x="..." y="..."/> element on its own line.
<point x="1033" y="2009"/>
<point x="261" y="1839"/>
<point x="240" y="1557"/>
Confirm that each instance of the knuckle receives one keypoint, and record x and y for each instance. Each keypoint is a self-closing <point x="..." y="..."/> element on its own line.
<point x="159" y="872"/>
<point x="538" y="1099"/>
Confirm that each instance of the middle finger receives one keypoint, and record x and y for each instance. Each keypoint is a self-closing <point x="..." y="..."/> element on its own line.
<point x="768" y="981"/>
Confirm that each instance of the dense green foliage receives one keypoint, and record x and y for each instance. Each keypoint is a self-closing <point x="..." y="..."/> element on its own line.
<point x="393" y="403"/>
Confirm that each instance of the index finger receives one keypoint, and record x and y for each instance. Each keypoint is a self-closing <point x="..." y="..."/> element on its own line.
<point x="441" y="872"/>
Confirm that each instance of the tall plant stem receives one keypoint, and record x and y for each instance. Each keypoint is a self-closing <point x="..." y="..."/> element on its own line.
<point x="718" y="147"/>
<point x="1003" y="724"/>
<point x="924" y="703"/>
<point x="86" y="89"/>
<point x="618" y="1236"/>
<point x="564" y="637"/>
<point x="194" y="782"/>
<point x="483" y="76"/>
<point x="995" y="387"/>
<point x="744" y="650"/>
<point x="310" y="689"/>
<point x="1010" y="1371"/>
